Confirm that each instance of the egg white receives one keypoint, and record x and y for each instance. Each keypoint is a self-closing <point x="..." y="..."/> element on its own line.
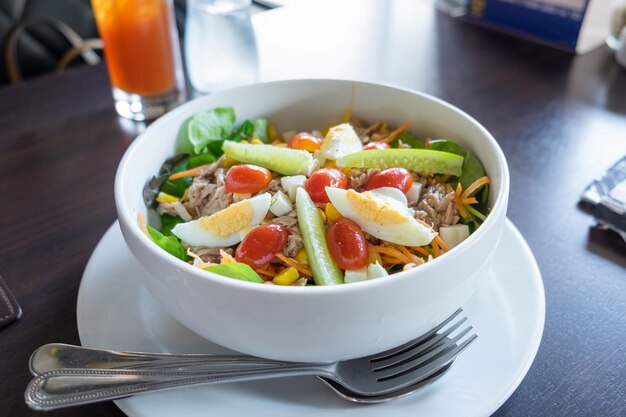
<point x="391" y="195"/>
<point x="222" y="229"/>
<point x="340" y="140"/>
<point x="384" y="218"/>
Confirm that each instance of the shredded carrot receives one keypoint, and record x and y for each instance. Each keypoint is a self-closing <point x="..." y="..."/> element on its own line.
<point x="392" y="136"/>
<point x="193" y="172"/>
<point x="390" y="251"/>
<point x="412" y="257"/>
<point x="422" y="251"/>
<point x="390" y="260"/>
<point x="267" y="271"/>
<point x="441" y="243"/>
<point x="474" y="186"/>
<point x="141" y="221"/>
<point x="457" y="200"/>
<point x="291" y="262"/>
<point x="436" y="250"/>
<point x="266" y="274"/>
<point x="346" y="115"/>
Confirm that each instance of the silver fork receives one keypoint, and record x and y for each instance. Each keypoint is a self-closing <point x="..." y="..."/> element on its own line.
<point x="80" y="376"/>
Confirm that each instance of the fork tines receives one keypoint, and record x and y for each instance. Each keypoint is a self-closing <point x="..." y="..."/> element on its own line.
<point x="425" y="355"/>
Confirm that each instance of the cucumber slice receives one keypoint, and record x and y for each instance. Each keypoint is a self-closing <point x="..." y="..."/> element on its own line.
<point x="418" y="160"/>
<point x="325" y="272"/>
<point x="283" y="161"/>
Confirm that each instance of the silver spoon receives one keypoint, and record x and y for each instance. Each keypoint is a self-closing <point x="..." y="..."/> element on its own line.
<point x="72" y="375"/>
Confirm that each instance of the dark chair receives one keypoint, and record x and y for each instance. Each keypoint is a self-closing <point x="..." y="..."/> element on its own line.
<point x="42" y="36"/>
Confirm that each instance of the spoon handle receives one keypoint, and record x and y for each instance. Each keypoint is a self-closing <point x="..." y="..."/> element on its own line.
<point x="62" y="356"/>
<point x="69" y="387"/>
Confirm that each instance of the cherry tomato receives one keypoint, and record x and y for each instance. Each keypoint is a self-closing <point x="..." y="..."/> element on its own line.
<point x="260" y="246"/>
<point x="305" y="141"/>
<point x="347" y="245"/>
<point x="247" y="179"/>
<point x="322" y="178"/>
<point x="376" y="145"/>
<point x="398" y="178"/>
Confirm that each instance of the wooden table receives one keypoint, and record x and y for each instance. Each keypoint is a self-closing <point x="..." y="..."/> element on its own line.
<point x="561" y="121"/>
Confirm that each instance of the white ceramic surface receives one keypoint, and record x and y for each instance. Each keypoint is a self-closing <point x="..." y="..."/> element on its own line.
<point x="295" y="323"/>
<point x="115" y="311"/>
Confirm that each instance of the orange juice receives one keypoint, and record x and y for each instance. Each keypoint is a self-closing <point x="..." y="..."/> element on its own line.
<point x="138" y="44"/>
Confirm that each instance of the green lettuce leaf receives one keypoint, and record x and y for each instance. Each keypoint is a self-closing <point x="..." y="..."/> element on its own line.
<point x="236" y="270"/>
<point x="260" y="130"/>
<point x="209" y="129"/>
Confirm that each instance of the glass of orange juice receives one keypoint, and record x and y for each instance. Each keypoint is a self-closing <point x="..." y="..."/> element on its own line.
<point x="143" y="55"/>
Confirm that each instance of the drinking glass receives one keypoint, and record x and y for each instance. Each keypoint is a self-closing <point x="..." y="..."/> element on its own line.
<point x="220" y="46"/>
<point x="143" y="56"/>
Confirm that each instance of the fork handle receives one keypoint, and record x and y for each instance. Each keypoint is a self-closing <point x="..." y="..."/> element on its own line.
<point x="55" y="356"/>
<point x="69" y="387"/>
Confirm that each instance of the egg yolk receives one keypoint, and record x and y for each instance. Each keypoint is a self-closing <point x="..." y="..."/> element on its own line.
<point x="374" y="209"/>
<point x="230" y="220"/>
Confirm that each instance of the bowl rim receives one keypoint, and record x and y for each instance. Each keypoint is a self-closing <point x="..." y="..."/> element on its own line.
<point x="125" y="215"/>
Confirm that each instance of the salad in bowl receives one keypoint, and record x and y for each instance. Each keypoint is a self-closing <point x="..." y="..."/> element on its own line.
<point x="356" y="200"/>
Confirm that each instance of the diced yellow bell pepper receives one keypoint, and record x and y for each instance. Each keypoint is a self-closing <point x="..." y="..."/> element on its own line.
<point x="302" y="257"/>
<point x="322" y="214"/>
<point x="243" y="141"/>
<point x="287" y="277"/>
<point x="271" y="133"/>
<point x="166" y="198"/>
<point x="256" y="141"/>
<point x="332" y="214"/>
<point x="229" y="162"/>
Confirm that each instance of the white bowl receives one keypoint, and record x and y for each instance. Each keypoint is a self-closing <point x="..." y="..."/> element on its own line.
<point x="327" y="322"/>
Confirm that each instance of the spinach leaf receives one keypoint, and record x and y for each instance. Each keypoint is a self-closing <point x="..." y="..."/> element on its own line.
<point x="445" y="145"/>
<point x="168" y="243"/>
<point x="236" y="270"/>
<point x="204" y="159"/>
<point x="245" y="131"/>
<point x="153" y="186"/>
<point x="209" y="129"/>
<point x="260" y="130"/>
<point x="177" y="187"/>
<point x="168" y="222"/>
<point x="409" y="139"/>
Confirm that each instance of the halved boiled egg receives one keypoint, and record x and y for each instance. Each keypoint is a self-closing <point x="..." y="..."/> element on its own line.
<point x="391" y="195"/>
<point x="221" y="229"/>
<point x="340" y="140"/>
<point x="380" y="217"/>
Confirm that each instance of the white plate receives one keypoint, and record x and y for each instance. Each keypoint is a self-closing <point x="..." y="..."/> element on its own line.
<point x="115" y="311"/>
